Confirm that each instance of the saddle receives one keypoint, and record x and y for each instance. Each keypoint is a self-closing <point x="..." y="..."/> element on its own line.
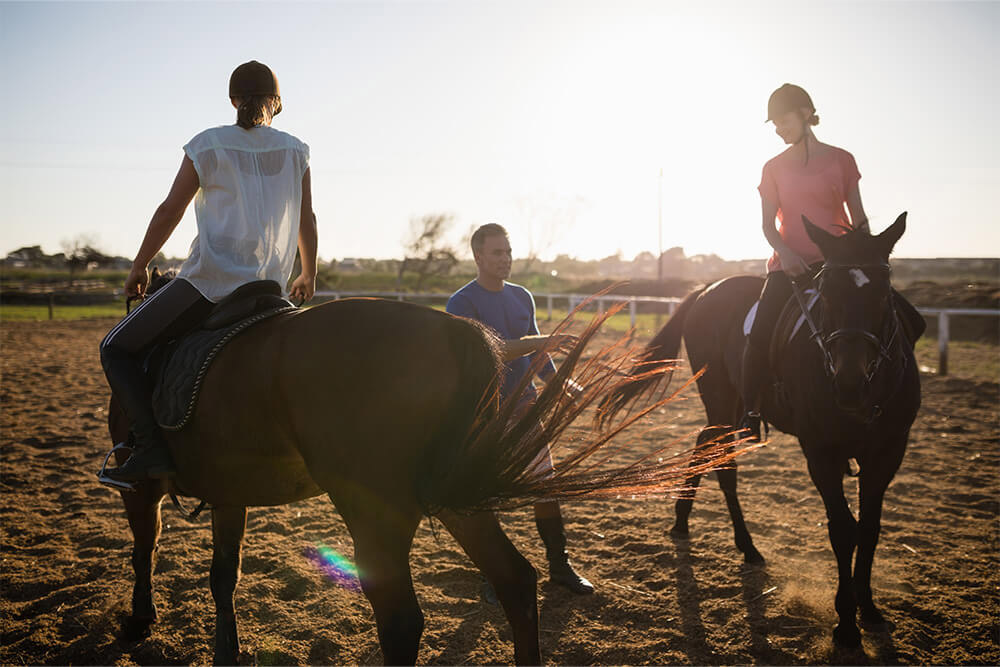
<point x="178" y="367"/>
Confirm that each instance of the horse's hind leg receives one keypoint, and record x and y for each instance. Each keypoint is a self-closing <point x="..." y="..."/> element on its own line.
<point x="228" y="527"/>
<point x="723" y="405"/>
<point x="382" y="541"/>
<point x="143" y="509"/>
<point x="511" y="575"/>
<point x="685" y="499"/>
<point x="727" y="482"/>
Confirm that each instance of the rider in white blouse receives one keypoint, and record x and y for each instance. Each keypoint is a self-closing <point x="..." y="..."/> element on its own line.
<point x="253" y="203"/>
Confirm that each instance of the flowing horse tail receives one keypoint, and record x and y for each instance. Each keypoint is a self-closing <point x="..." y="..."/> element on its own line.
<point x="654" y="367"/>
<point x="494" y="465"/>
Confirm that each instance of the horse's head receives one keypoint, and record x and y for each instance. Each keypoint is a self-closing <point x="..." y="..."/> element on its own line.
<point x="859" y="322"/>
<point x="158" y="279"/>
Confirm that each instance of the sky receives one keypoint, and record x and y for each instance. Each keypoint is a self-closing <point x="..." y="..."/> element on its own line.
<point x="555" y="119"/>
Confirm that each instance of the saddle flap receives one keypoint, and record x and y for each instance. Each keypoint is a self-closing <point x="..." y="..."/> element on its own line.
<point x="186" y="361"/>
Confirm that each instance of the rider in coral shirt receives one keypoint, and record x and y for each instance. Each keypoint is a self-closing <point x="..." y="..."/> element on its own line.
<point x="809" y="178"/>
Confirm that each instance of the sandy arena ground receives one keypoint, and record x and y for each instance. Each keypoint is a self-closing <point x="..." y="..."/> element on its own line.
<point x="66" y="579"/>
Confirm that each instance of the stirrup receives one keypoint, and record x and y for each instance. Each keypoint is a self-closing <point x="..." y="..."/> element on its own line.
<point x="102" y="476"/>
<point x="753" y="425"/>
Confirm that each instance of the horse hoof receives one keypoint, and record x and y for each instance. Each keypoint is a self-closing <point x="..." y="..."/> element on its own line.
<point x="873" y="621"/>
<point x="847" y="636"/>
<point x="227" y="659"/>
<point x="680" y="532"/>
<point x="136" y="629"/>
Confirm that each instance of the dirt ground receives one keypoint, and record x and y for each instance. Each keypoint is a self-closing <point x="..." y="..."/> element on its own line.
<point x="66" y="578"/>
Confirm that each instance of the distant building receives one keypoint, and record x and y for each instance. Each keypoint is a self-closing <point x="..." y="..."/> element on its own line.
<point x="347" y="265"/>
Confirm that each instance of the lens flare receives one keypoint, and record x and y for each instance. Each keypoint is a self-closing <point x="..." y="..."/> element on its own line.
<point x="336" y="568"/>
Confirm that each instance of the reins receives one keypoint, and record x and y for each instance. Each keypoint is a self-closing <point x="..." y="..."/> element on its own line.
<point x="814" y="332"/>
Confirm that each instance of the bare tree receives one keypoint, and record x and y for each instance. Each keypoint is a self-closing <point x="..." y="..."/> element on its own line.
<point x="544" y="219"/>
<point x="80" y="253"/>
<point x="427" y="251"/>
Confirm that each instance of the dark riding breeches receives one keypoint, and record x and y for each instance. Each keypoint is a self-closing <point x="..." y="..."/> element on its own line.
<point x="168" y="313"/>
<point x="776" y="293"/>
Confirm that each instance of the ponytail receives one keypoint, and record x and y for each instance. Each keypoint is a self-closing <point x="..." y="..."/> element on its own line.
<point x="256" y="110"/>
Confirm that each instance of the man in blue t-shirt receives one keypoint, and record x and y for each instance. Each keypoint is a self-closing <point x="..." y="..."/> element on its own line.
<point x="509" y="310"/>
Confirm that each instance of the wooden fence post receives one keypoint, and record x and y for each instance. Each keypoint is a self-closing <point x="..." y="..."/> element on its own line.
<point x="943" y="343"/>
<point x="52" y="299"/>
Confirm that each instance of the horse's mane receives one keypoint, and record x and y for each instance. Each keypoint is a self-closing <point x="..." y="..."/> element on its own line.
<point x="158" y="279"/>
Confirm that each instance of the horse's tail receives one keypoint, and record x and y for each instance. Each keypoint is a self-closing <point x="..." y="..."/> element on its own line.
<point x="497" y="465"/>
<point x="654" y="367"/>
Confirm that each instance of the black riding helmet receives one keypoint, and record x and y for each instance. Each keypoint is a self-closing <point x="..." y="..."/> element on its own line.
<point x="254" y="78"/>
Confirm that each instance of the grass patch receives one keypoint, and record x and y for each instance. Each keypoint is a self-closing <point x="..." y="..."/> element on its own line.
<point x="973" y="361"/>
<point x="38" y="313"/>
<point x="646" y="324"/>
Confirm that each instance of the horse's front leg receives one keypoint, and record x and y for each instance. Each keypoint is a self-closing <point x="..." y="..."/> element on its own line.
<point x="228" y="527"/>
<point x="826" y="470"/>
<point x="143" y="509"/>
<point x="872" y="483"/>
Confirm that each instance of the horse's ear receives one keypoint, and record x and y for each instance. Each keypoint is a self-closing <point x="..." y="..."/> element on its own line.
<point x="820" y="237"/>
<point x="891" y="235"/>
<point x="155" y="273"/>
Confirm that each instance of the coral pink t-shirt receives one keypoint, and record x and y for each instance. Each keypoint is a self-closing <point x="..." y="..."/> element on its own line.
<point x="818" y="191"/>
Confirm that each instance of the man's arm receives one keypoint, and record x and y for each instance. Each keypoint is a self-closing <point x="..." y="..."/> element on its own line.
<point x="518" y="347"/>
<point x="511" y="348"/>
<point x="547" y="369"/>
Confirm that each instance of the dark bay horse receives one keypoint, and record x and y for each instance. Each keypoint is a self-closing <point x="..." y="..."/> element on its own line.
<point x="854" y="395"/>
<point x="391" y="410"/>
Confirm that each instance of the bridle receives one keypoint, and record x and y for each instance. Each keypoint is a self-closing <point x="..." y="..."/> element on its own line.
<point x="883" y="341"/>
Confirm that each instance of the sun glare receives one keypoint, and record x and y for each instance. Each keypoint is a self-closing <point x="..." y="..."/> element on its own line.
<point x="641" y="98"/>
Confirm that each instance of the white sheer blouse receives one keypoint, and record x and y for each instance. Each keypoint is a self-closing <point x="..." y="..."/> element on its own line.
<point x="247" y="207"/>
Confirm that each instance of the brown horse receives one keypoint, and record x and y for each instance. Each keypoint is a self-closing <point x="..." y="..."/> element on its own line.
<point x="390" y="409"/>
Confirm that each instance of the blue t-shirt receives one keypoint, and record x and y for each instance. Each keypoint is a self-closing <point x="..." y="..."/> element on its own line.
<point x="511" y="314"/>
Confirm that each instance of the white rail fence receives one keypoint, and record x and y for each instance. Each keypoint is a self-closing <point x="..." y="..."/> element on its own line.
<point x="943" y="324"/>
<point x="603" y="302"/>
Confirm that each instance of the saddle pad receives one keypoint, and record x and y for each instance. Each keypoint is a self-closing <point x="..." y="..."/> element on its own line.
<point x="751" y="316"/>
<point x="176" y="389"/>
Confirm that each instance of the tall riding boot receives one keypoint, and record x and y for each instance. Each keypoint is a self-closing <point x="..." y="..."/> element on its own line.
<point x="753" y="374"/>
<point x="560" y="571"/>
<point x="151" y="457"/>
<point x="150" y="460"/>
